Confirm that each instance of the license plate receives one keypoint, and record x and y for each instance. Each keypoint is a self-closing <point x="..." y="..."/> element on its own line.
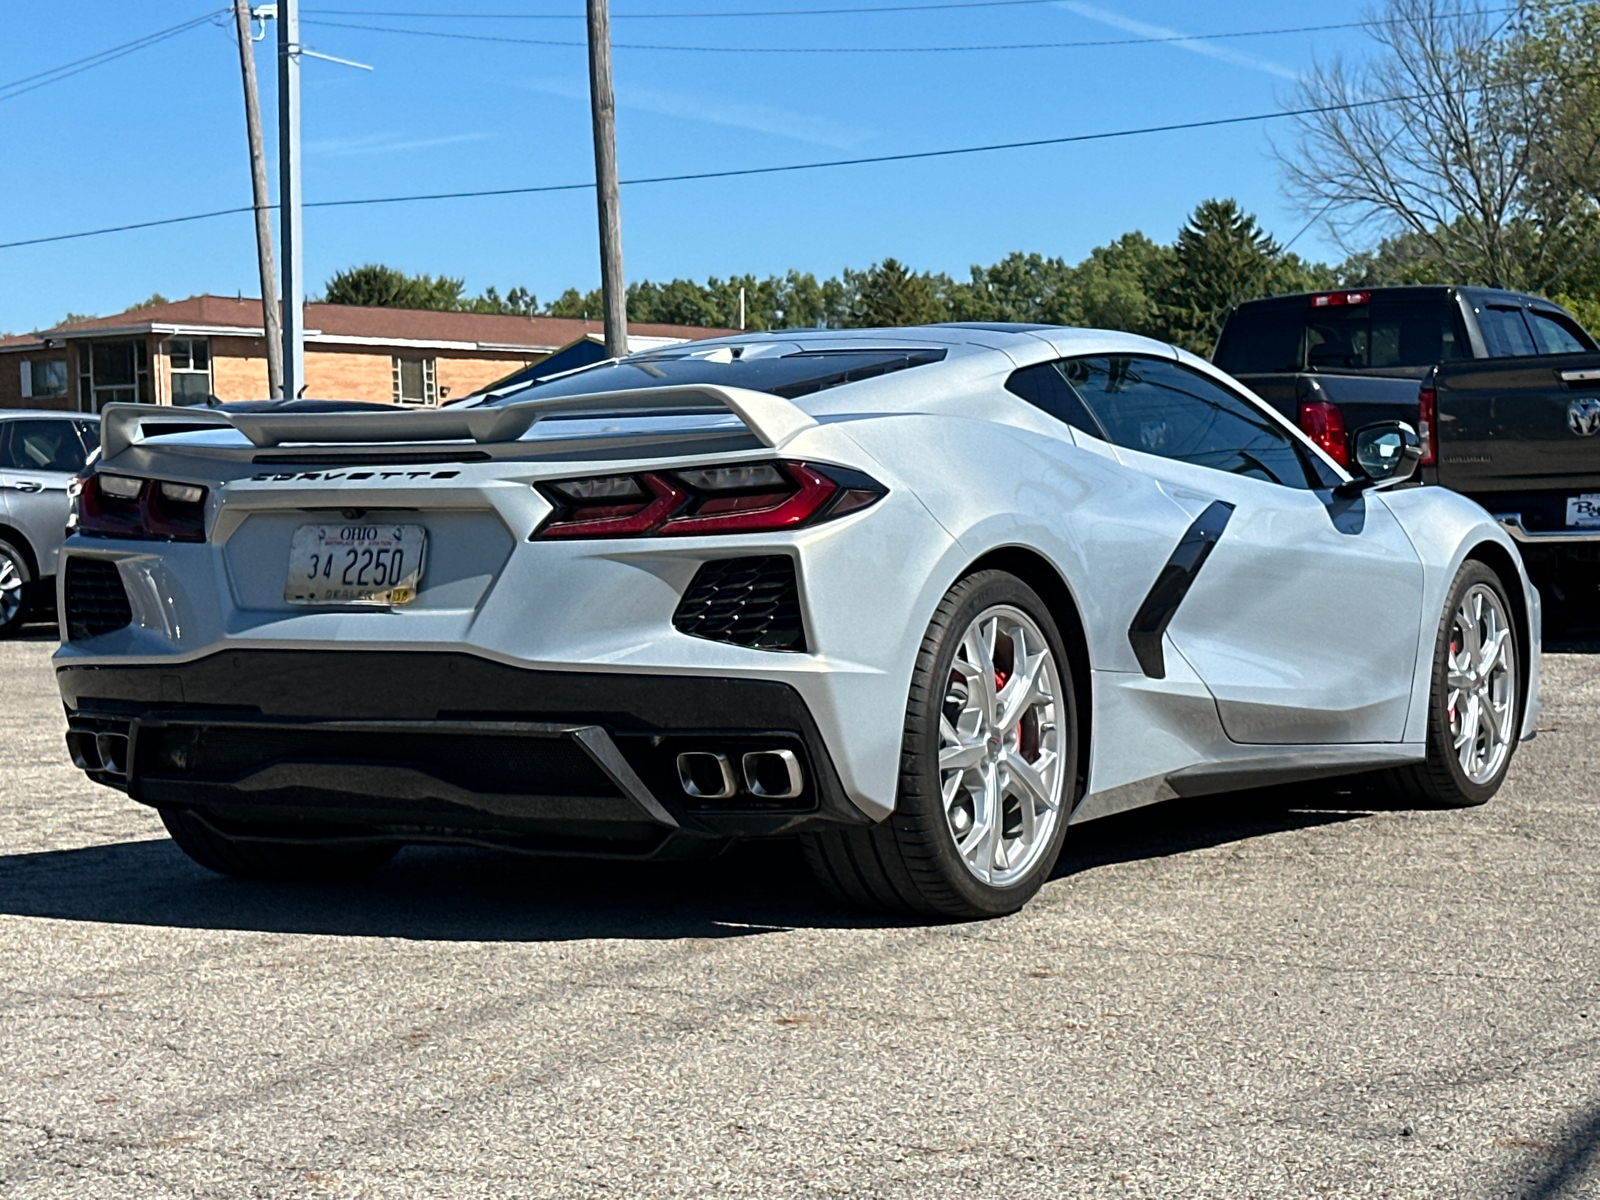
<point x="1583" y="512"/>
<point x="355" y="564"/>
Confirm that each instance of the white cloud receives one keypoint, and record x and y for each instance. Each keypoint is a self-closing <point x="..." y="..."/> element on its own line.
<point x="385" y="143"/>
<point x="1214" y="50"/>
<point x="736" y="114"/>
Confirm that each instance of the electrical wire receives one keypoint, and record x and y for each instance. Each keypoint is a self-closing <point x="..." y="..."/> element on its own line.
<point x="783" y="12"/>
<point x="908" y="156"/>
<point x="13" y="89"/>
<point x="672" y="16"/>
<point x="744" y="49"/>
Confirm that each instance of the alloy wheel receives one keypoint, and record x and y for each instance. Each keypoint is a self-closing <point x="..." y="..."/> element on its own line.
<point x="1000" y="765"/>
<point x="1481" y="684"/>
<point x="10" y="589"/>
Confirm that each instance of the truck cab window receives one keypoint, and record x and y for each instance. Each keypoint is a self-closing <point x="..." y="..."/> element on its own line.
<point x="1552" y="334"/>
<point x="1505" y="334"/>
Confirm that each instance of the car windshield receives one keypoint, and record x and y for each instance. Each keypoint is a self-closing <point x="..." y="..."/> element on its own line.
<point x="784" y="369"/>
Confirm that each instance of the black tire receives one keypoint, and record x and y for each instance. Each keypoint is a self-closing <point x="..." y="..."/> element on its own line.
<point x="1440" y="781"/>
<point x="14" y="567"/>
<point x="910" y="863"/>
<point x="246" y="858"/>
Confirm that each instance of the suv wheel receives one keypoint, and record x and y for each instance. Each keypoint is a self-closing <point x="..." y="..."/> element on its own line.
<point x="16" y="589"/>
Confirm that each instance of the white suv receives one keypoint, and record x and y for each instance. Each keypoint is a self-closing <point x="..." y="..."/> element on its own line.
<point x="40" y="453"/>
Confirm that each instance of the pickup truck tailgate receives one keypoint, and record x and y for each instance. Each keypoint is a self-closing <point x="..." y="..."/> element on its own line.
<point x="1520" y="425"/>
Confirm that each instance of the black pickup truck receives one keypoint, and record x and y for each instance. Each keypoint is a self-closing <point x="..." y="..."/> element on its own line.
<point x="1504" y="390"/>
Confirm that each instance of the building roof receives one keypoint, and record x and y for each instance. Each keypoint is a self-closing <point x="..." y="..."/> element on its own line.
<point x="353" y="325"/>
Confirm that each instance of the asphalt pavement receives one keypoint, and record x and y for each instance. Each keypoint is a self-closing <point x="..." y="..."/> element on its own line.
<point x="1296" y="994"/>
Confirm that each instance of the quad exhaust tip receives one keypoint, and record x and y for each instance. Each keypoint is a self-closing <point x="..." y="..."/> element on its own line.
<point x="768" y="774"/>
<point x="773" y="774"/>
<point x="107" y="752"/>
<point x="706" y="775"/>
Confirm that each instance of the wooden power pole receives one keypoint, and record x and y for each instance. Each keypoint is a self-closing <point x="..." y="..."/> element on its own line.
<point x="258" y="186"/>
<point x="604" y="107"/>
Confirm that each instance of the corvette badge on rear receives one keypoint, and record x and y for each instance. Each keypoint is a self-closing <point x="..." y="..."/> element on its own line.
<point x="355" y="564"/>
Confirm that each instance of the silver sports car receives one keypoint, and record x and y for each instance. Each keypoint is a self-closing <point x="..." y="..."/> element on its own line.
<point x="922" y="597"/>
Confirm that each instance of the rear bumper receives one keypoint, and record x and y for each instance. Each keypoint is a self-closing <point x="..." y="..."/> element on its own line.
<point x="445" y="747"/>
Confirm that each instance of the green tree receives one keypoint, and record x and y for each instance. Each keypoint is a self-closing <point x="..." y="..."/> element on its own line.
<point x="1222" y="256"/>
<point x="577" y="305"/>
<point x="890" y="294"/>
<point x="377" y="286"/>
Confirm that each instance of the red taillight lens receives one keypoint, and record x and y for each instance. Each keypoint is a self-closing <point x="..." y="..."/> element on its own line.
<point x="120" y="506"/>
<point x="1428" y="425"/>
<point x="740" y="498"/>
<point x="1323" y="423"/>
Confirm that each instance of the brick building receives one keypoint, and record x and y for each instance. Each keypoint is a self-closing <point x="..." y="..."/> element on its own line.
<point x="181" y="353"/>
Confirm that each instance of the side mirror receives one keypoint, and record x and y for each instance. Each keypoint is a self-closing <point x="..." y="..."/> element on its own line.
<point x="1386" y="454"/>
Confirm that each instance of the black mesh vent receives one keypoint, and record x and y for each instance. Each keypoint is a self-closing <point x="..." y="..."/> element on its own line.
<point x="96" y="600"/>
<point x="750" y="602"/>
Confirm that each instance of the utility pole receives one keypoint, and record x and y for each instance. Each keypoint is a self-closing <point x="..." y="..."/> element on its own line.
<point x="294" y="332"/>
<point x="258" y="186"/>
<point x="603" y="105"/>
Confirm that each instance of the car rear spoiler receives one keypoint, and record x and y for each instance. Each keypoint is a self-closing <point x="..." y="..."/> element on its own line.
<point x="771" y="419"/>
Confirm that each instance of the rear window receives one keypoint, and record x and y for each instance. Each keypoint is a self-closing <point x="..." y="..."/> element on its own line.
<point x="783" y="369"/>
<point x="1264" y="341"/>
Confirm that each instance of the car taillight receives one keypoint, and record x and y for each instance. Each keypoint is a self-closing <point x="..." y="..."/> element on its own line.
<point x="1323" y="423"/>
<point x="1428" y="425"/>
<point x="737" y="498"/>
<point x="121" y="506"/>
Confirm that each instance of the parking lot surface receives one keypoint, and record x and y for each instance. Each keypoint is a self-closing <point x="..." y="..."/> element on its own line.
<point x="1296" y="994"/>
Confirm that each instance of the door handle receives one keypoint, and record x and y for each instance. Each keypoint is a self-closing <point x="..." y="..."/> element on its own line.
<point x="26" y="485"/>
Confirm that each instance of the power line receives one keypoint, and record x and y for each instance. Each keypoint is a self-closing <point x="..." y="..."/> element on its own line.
<point x="743" y="49"/>
<point x="9" y="91"/>
<point x="909" y="156"/>
<point x="789" y="12"/>
<point x="671" y="16"/>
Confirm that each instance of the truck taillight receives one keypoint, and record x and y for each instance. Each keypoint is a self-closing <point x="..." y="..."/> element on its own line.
<point x="1428" y="425"/>
<point x="1323" y="423"/>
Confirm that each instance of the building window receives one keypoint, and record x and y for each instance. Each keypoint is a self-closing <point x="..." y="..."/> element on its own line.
<point x="113" y="373"/>
<point x="414" y="381"/>
<point x="44" y="380"/>
<point x="189" y="362"/>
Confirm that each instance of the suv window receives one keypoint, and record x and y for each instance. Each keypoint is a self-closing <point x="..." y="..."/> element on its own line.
<point x="1552" y="334"/>
<point x="41" y="446"/>
<point x="1165" y="408"/>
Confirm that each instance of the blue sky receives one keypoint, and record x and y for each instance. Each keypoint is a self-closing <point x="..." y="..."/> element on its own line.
<point x="161" y="133"/>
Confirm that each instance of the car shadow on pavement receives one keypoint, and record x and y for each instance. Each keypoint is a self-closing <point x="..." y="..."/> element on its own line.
<point x="474" y="895"/>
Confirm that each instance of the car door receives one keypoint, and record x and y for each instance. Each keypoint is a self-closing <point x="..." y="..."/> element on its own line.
<point x="1303" y="616"/>
<point x="38" y="458"/>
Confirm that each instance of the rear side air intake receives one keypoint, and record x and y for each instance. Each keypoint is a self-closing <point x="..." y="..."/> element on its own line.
<point x="96" y="600"/>
<point x="752" y="602"/>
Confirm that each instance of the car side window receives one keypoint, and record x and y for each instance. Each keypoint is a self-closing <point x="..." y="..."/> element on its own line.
<point x="1551" y="334"/>
<point x="41" y="446"/>
<point x="1046" y="388"/>
<point x="1165" y="408"/>
<point x="89" y="431"/>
